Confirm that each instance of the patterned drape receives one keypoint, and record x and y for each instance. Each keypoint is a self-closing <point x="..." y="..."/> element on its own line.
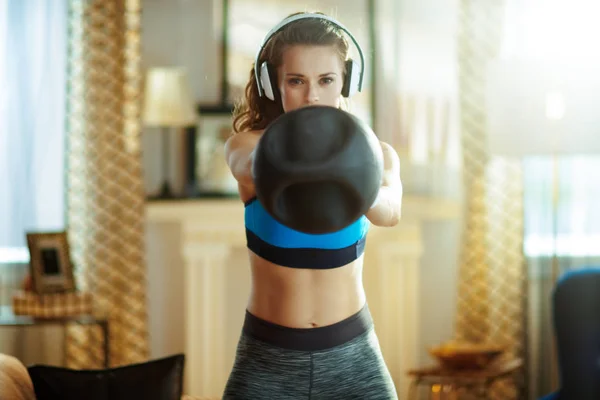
<point x="105" y="190"/>
<point x="492" y="274"/>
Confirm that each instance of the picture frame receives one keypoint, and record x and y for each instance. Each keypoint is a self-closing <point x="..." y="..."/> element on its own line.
<point x="50" y="262"/>
<point x="215" y="126"/>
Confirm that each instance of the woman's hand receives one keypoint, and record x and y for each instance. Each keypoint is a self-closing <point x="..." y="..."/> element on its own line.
<point x="387" y="208"/>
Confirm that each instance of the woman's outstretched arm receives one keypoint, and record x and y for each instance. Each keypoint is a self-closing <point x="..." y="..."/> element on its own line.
<point x="387" y="209"/>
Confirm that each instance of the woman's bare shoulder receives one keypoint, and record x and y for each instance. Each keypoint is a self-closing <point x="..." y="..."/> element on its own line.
<point x="244" y="139"/>
<point x="255" y="132"/>
<point x="245" y="136"/>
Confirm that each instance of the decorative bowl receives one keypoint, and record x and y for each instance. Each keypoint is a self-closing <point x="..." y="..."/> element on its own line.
<point x="466" y="355"/>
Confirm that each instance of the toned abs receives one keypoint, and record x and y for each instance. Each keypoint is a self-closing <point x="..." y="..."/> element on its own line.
<point x="303" y="298"/>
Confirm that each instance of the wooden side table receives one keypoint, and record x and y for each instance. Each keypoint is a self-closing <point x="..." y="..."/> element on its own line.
<point x="479" y="380"/>
<point x="7" y="318"/>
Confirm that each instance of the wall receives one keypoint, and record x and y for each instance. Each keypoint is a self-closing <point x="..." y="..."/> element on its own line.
<point x="182" y="32"/>
<point x="174" y="33"/>
<point x="427" y="62"/>
<point x="179" y="33"/>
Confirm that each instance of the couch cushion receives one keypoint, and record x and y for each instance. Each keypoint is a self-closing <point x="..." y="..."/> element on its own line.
<point x="160" y="379"/>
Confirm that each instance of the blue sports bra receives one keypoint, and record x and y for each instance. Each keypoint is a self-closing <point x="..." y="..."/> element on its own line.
<point x="275" y="242"/>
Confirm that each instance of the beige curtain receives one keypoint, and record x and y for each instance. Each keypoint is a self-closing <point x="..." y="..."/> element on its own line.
<point x="491" y="292"/>
<point x="105" y="193"/>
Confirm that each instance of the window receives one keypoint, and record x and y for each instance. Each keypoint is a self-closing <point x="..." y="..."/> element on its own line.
<point x="33" y="48"/>
<point x="576" y="212"/>
<point x="572" y="226"/>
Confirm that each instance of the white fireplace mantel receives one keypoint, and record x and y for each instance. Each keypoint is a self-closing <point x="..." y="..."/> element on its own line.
<point x="217" y="280"/>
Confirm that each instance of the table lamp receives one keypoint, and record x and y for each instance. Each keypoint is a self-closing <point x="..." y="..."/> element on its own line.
<point x="168" y="104"/>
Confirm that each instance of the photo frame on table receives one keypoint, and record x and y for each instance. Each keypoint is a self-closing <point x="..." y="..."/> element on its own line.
<point x="215" y="126"/>
<point x="50" y="262"/>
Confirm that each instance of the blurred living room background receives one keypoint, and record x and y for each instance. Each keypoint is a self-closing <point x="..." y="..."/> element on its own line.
<point x="113" y="115"/>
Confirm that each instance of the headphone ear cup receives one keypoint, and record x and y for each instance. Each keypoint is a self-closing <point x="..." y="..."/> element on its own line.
<point x="273" y="83"/>
<point x="268" y="81"/>
<point x="265" y="81"/>
<point x="352" y="78"/>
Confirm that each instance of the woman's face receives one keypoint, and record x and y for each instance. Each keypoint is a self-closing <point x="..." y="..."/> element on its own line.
<point x="310" y="75"/>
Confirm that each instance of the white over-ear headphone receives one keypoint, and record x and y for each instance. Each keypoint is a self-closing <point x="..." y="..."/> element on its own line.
<point x="265" y="73"/>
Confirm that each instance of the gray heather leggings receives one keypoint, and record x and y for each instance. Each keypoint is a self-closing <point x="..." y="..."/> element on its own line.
<point x="341" y="361"/>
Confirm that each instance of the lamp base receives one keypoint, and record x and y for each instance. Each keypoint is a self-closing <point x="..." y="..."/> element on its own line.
<point x="165" y="193"/>
<point x="192" y="189"/>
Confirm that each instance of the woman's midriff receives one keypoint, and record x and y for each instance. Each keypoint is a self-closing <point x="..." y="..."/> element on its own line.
<point x="305" y="298"/>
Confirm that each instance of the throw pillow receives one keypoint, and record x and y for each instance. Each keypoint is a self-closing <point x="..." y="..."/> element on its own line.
<point x="159" y="379"/>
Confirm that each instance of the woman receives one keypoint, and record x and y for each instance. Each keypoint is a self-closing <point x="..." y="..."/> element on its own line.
<point x="308" y="333"/>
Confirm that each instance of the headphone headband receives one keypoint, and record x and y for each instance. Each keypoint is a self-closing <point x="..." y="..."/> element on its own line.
<point x="297" y="17"/>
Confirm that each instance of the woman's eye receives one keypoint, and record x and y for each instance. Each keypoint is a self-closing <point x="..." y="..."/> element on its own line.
<point x="295" y="81"/>
<point x="326" y="81"/>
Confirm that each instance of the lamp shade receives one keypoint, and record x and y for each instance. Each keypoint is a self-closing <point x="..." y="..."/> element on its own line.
<point x="535" y="109"/>
<point x="167" y="98"/>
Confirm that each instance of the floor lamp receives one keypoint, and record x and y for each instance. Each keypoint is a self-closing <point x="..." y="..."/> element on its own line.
<point x="167" y="104"/>
<point x="543" y="110"/>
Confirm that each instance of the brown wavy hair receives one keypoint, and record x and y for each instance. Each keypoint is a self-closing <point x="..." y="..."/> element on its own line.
<point x="253" y="112"/>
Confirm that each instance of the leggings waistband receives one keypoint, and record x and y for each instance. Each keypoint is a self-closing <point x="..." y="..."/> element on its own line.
<point x="309" y="339"/>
